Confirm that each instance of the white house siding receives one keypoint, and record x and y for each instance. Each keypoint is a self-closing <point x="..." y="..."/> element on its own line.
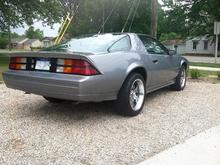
<point x="181" y="49"/>
<point x="33" y="44"/>
<point x="36" y="44"/>
<point x="200" y="47"/>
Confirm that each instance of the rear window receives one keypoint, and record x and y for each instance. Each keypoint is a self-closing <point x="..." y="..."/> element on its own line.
<point x="95" y="43"/>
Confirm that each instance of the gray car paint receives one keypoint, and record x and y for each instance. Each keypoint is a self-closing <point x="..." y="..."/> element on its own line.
<point x="114" y="68"/>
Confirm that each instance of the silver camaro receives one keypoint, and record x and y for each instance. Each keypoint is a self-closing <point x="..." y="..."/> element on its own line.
<point x="101" y="67"/>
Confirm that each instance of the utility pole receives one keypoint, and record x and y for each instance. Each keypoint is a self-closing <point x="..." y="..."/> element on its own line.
<point x="154" y="17"/>
<point x="9" y="37"/>
<point x="216" y="32"/>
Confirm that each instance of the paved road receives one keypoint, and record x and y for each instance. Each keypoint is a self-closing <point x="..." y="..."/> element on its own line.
<point x="202" y="59"/>
<point x="33" y="131"/>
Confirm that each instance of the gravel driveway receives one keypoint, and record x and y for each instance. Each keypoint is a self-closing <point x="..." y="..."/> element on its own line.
<point x="33" y="131"/>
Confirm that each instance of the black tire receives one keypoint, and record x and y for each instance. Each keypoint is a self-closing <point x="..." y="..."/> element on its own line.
<point x="53" y="100"/>
<point x="122" y="104"/>
<point x="178" y="86"/>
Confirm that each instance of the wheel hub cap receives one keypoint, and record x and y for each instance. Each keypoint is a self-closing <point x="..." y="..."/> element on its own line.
<point x="183" y="78"/>
<point x="137" y="93"/>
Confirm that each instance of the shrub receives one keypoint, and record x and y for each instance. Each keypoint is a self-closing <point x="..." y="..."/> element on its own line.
<point x="195" y="74"/>
<point x="218" y="75"/>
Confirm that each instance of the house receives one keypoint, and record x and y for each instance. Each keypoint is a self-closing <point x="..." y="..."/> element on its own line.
<point x="178" y="45"/>
<point x="199" y="46"/>
<point x="17" y="43"/>
<point x="25" y="43"/>
<point x="32" y="43"/>
<point x="48" y="41"/>
<point x="204" y="45"/>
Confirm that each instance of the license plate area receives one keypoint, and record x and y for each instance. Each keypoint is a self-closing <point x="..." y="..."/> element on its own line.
<point x="42" y="64"/>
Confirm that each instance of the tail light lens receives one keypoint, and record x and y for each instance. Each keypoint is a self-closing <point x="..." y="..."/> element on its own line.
<point x="75" y="66"/>
<point x="18" y="63"/>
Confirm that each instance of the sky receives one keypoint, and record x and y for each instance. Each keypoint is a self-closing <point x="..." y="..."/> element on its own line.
<point x="48" y="32"/>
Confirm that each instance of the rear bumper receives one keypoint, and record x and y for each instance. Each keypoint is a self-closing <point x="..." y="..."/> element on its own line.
<point x="62" y="86"/>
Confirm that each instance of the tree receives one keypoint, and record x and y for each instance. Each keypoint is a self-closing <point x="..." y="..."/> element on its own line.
<point x="192" y="17"/>
<point x="89" y="18"/>
<point x="169" y="36"/>
<point x="3" y="40"/>
<point x="31" y="33"/>
<point x="17" y="12"/>
<point x="154" y="18"/>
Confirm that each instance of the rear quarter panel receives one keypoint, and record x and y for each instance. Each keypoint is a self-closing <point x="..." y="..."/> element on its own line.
<point x="114" y="68"/>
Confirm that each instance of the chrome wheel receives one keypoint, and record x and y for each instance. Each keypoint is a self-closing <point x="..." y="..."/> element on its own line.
<point x="183" y="78"/>
<point x="137" y="93"/>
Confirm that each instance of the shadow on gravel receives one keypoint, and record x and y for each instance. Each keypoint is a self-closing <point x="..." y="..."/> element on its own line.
<point x="81" y="112"/>
<point x="71" y="111"/>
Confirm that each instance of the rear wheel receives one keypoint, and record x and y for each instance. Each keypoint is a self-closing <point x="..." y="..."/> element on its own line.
<point x="180" y="82"/>
<point x="53" y="100"/>
<point x="131" y="96"/>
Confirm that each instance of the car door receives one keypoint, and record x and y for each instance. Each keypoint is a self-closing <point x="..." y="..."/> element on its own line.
<point x="158" y="61"/>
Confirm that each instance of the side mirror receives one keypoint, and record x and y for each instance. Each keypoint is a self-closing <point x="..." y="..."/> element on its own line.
<point x="172" y="52"/>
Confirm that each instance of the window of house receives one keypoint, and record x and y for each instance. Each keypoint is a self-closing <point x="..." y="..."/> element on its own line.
<point x="195" y="45"/>
<point x="205" y="45"/>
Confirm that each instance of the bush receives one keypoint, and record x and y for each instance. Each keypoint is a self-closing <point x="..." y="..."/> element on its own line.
<point x="195" y="74"/>
<point x="218" y="75"/>
<point x="3" y="42"/>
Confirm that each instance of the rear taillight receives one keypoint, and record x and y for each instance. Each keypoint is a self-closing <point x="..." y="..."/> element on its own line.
<point x="18" y="63"/>
<point x="75" y="66"/>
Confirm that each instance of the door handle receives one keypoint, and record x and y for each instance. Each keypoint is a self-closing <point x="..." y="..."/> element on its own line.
<point x="155" y="61"/>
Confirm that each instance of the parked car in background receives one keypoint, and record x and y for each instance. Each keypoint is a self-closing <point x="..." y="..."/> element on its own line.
<point x="100" y="67"/>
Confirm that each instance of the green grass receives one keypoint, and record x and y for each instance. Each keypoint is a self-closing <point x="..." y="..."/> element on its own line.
<point x="212" y="65"/>
<point x="4" y="60"/>
<point x="204" y="73"/>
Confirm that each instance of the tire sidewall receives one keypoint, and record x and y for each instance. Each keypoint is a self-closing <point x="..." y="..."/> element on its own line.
<point x="124" y="96"/>
<point x="179" y="78"/>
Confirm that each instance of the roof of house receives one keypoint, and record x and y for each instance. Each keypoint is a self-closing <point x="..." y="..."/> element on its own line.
<point x="174" y="42"/>
<point x="49" y="38"/>
<point x="198" y="38"/>
<point x="18" y="40"/>
<point x="30" y="41"/>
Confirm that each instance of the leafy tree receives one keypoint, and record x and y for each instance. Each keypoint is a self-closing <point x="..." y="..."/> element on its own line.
<point x="169" y="36"/>
<point x="91" y="13"/>
<point x="3" y="40"/>
<point x="17" y="12"/>
<point x="192" y="17"/>
<point x="34" y="34"/>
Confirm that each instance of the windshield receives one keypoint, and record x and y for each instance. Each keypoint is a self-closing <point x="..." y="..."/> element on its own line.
<point x="94" y="43"/>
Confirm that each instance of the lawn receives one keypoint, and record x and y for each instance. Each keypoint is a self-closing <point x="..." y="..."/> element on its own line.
<point x="201" y="64"/>
<point x="3" y="64"/>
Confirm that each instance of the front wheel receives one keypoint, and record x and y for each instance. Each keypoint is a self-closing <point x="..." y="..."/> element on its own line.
<point x="131" y="97"/>
<point x="180" y="82"/>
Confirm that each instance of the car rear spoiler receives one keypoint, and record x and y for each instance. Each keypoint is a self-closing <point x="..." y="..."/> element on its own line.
<point x="74" y="55"/>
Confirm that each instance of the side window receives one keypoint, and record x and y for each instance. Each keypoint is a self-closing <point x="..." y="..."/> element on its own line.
<point x="153" y="46"/>
<point x="121" y="45"/>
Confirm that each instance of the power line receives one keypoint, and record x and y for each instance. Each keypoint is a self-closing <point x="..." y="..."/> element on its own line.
<point x="134" y="15"/>
<point x="108" y="16"/>
<point x="129" y="14"/>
